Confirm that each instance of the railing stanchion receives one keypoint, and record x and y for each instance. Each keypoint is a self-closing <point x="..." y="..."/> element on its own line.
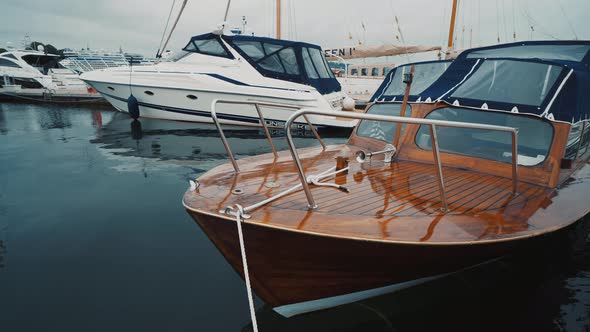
<point x="514" y="161"/>
<point x="432" y="124"/>
<point x="263" y="122"/>
<point x="295" y="155"/>
<point x="223" y="139"/>
<point x="396" y="119"/>
<point x="315" y="133"/>
<point x="437" y="164"/>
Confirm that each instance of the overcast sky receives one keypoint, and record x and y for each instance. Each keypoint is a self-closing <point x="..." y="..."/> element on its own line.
<point x="137" y="25"/>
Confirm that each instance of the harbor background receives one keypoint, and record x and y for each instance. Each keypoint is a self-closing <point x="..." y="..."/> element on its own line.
<point x="93" y="237"/>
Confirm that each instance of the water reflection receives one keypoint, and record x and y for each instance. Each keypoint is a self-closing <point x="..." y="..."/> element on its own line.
<point x="110" y="235"/>
<point x="3" y="124"/>
<point x="54" y="117"/>
<point x="179" y="142"/>
<point x="2" y="253"/>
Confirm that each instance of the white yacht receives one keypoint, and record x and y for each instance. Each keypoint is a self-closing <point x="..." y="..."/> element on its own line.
<point x="228" y="67"/>
<point x="35" y="71"/>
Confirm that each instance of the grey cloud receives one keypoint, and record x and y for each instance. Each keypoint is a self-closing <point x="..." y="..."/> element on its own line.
<point x="137" y="24"/>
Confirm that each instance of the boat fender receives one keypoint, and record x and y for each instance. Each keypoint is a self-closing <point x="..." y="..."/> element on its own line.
<point x="348" y="104"/>
<point x="133" y="106"/>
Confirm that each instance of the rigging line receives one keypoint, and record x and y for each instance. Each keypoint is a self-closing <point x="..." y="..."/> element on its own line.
<point x="513" y="22"/>
<point x="504" y="21"/>
<point x="295" y="21"/>
<point x="294" y="24"/>
<point x="165" y="28"/>
<point x="472" y="23"/>
<point x="497" y="22"/>
<point x="399" y="29"/>
<point x="455" y="34"/>
<point x="274" y="19"/>
<point x="462" y="11"/>
<point x="569" y="23"/>
<point x="479" y="22"/>
<point x="226" y="11"/>
<point x="443" y="23"/>
<point x="291" y="21"/>
<point x="175" y="22"/>
<point x="534" y="23"/>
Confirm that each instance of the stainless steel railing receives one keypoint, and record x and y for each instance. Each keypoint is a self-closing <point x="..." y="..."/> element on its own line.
<point x="434" y="141"/>
<point x="432" y="124"/>
<point x="263" y="124"/>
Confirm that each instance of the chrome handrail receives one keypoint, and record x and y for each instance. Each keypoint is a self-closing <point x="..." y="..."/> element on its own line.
<point x="263" y="125"/>
<point x="386" y="118"/>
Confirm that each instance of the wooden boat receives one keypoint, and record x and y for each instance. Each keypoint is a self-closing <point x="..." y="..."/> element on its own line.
<point x="491" y="160"/>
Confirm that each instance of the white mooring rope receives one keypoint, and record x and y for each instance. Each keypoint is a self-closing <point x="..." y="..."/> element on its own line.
<point x="239" y="213"/>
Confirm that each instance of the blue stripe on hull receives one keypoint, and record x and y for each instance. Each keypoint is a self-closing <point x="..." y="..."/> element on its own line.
<point x="207" y="114"/>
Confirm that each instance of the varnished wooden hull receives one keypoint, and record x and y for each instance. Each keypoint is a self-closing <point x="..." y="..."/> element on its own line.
<point x="388" y="229"/>
<point x="289" y="267"/>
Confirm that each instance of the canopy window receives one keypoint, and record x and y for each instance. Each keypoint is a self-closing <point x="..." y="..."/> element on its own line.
<point x="510" y="81"/>
<point x="575" y="53"/>
<point x="425" y="74"/>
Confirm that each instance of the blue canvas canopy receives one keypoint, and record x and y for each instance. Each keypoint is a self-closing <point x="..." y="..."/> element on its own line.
<point x="544" y="78"/>
<point x="275" y="58"/>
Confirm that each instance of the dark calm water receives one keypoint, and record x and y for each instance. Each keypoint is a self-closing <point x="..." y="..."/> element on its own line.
<point x="93" y="237"/>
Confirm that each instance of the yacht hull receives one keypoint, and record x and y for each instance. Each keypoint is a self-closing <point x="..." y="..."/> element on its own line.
<point x="297" y="272"/>
<point x="195" y="105"/>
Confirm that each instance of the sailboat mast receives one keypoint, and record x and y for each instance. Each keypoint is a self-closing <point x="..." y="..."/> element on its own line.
<point x="278" y="19"/>
<point x="452" y="26"/>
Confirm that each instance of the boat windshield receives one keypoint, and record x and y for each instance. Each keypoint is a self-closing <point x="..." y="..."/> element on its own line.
<point x="534" y="135"/>
<point x="383" y="131"/>
<point x="211" y="46"/>
<point x="272" y="57"/>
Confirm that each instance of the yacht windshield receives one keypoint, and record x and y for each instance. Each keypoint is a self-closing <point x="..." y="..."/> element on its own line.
<point x="534" y="135"/>
<point x="209" y="46"/>
<point x="315" y="63"/>
<point x="272" y="57"/>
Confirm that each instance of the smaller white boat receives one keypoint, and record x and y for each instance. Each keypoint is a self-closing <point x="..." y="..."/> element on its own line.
<point x="237" y="68"/>
<point x="88" y="60"/>
<point x="361" y="80"/>
<point x="35" y="74"/>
